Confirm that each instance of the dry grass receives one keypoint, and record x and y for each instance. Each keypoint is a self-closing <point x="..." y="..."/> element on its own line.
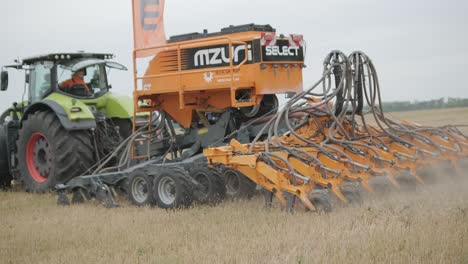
<point x="429" y="225"/>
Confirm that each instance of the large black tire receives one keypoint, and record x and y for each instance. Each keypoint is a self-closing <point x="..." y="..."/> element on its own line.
<point x="321" y="200"/>
<point x="407" y="181"/>
<point x="352" y="192"/>
<point x="212" y="188"/>
<point x="125" y="126"/>
<point x="238" y="186"/>
<point x="381" y="185"/>
<point x="48" y="154"/>
<point x="354" y="198"/>
<point x="3" y="117"/>
<point x="5" y="176"/>
<point x="172" y="187"/>
<point x="140" y="186"/>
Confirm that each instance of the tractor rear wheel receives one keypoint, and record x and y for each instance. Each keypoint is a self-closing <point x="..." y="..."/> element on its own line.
<point x="172" y="187"/>
<point x="48" y="154"/>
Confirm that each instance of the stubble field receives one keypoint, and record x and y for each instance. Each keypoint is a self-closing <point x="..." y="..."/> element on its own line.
<point x="425" y="225"/>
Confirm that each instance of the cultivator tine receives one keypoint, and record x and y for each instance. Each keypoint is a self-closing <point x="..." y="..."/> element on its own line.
<point x="456" y="166"/>
<point x="416" y="176"/>
<point x="90" y="187"/>
<point x="290" y="202"/>
<point x="306" y="201"/>
<point x="281" y="199"/>
<point x="104" y="195"/>
<point x="392" y="180"/>
<point x="79" y="196"/>
<point x="365" y="185"/>
<point x="62" y="198"/>
<point x="337" y="192"/>
<point x="327" y="148"/>
<point x="268" y="196"/>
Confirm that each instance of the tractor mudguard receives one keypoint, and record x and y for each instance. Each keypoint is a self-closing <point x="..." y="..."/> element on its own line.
<point x="112" y="106"/>
<point x="115" y="106"/>
<point x="76" y="114"/>
<point x="81" y="120"/>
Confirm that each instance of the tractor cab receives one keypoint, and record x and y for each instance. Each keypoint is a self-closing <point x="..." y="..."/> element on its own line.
<point x="68" y="104"/>
<point x="93" y="80"/>
<point x="80" y="75"/>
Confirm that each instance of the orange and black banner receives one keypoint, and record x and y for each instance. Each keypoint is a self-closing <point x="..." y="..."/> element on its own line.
<point x="148" y="26"/>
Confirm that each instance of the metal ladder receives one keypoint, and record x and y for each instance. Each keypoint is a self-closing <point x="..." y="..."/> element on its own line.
<point x="144" y="139"/>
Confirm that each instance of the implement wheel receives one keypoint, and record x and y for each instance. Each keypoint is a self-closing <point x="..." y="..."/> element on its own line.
<point x="321" y="200"/>
<point x="48" y="154"/>
<point x="238" y="186"/>
<point x="352" y="192"/>
<point x="140" y="187"/>
<point x="212" y="189"/>
<point x="172" y="187"/>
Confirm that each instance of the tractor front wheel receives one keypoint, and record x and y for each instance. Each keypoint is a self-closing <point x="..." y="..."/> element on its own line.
<point x="48" y="154"/>
<point x="5" y="176"/>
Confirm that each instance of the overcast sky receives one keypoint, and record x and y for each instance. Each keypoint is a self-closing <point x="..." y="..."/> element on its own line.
<point x="420" y="47"/>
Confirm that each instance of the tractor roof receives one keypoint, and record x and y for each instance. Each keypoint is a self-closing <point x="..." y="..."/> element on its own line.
<point x="66" y="56"/>
<point x="77" y="64"/>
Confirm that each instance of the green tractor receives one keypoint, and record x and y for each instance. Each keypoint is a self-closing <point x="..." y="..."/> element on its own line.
<point x="60" y="132"/>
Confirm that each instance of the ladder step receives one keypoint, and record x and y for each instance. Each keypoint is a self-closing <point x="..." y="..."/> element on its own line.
<point x="141" y="139"/>
<point x="140" y="157"/>
<point x="142" y="122"/>
<point x="144" y="107"/>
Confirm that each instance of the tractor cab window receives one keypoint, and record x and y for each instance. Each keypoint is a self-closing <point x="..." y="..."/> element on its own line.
<point x="39" y="81"/>
<point x="82" y="82"/>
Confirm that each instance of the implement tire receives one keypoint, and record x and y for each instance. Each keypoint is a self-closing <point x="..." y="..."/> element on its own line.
<point x="172" y="187"/>
<point x="238" y="186"/>
<point x="48" y="154"/>
<point x="140" y="187"/>
<point x="352" y="192"/>
<point x="213" y="190"/>
<point x="321" y="200"/>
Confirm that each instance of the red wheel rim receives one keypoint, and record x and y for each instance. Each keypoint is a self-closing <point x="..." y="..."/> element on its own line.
<point x="36" y="155"/>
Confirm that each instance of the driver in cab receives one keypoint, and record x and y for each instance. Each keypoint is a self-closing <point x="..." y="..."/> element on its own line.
<point x="77" y="79"/>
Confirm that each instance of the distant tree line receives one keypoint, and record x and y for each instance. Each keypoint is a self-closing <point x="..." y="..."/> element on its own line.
<point x="422" y="105"/>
